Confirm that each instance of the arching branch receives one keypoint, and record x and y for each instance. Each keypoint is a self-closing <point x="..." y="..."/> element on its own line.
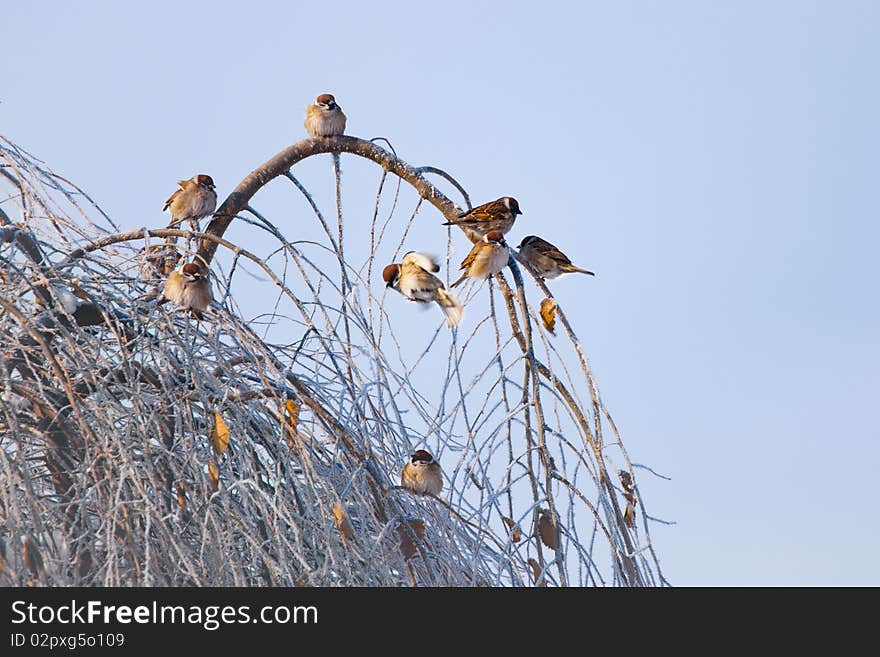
<point x="279" y="165"/>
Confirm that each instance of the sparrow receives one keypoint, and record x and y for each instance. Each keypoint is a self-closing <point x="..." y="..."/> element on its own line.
<point x="487" y="257"/>
<point x="188" y="286"/>
<point x="495" y="215"/>
<point x="194" y="200"/>
<point x="545" y="259"/>
<point x="422" y="474"/>
<point x="414" y="280"/>
<point x="324" y="118"/>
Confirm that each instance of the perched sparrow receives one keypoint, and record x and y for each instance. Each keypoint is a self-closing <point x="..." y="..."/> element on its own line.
<point x="487" y="257"/>
<point x="496" y="215"/>
<point x="188" y="286"/>
<point x="422" y="474"/>
<point x="194" y="200"/>
<point x="324" y="118"/>
<point x="545" y="259"/>
<point x="414" y="280"/>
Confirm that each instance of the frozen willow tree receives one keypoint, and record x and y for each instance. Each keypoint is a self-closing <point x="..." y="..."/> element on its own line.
<point x="264" y="444"/>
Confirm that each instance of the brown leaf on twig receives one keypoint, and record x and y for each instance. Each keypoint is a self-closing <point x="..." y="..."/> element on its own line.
<point x="181" y="494"/>
<point x="291" y="417"/>
<point x="536" y="573"/>
<point x="548" y="314"/>
<point x="407" y="546"/>
<point x="340" y="520"/>
<point x="213" y="475"/>
<point x="629" y="516"/>
<point x="219" y="434"/>
<point x="473" y="478"/>
<point x="516" y="533"/>
<point x="629" y="489"/>
<point x="546" y="530"/>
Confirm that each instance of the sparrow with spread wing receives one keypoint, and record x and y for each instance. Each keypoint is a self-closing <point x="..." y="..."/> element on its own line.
<point x="414" y="279"/>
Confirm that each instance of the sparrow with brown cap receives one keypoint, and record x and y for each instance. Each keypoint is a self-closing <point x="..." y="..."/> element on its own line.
<point x="422" y="474"/>
<point x="189" y="287"/>
<point x="324" y="118"/>
<point x="487" y="257"/>
<point x="496" y="215"/>
<point x="412" y="277"/>
<point x="195" y="200"/>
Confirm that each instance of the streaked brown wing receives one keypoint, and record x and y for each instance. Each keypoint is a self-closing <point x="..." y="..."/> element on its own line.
<point x="485" y="211"/>
<point x="171" y="199"/>
<point x="544" y="247"/>
<point x="422" y="260"/>
<point x="470" y="257"/>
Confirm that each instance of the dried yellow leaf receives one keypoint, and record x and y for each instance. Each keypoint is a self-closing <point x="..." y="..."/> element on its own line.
<point x="340" y="520"/>
<point x="291" y="409"/>
<point x="181" y="494"/>
<point x="516" y="533"/>
<point x="213" y="475"/>
<point x="219" y="434"/>
<point x="548" y="314"/>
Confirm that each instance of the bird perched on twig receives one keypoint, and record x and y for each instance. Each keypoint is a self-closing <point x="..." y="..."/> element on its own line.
<point x="545" y="259"/>
<point x="188" y="286"/>
<point x="414" y="280"/>
<point x="422" y="474"/>
<point x="324" y="118"/>
<point x="487" y="257"/>
<point x="496" y="215"/>
<point x="194" y="200"/>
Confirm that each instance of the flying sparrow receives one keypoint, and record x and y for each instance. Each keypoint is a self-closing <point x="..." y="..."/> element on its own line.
<point x="414" y="280"/>
<point x="422" y="474"/>
<point x="495" y="215"/>
<point x="194" y="200"/>
<point x="487" y="257"/>
<point x="188" y="286"/>
<point x="324" y="118"/>
<point x="545" y="259"/>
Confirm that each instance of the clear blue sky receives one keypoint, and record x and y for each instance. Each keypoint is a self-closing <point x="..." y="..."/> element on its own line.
<point x="714" y="163"/>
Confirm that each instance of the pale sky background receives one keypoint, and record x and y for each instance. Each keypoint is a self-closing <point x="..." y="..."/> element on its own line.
<point x="715" y="164"/>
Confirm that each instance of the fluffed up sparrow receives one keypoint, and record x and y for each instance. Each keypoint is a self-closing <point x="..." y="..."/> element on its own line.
<point x="194" y="200"/>
<point x="422" y="474"/>
<point x="189" y="287"/>
<point x="324" y="118"/>
<point x="487" y="257"/>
